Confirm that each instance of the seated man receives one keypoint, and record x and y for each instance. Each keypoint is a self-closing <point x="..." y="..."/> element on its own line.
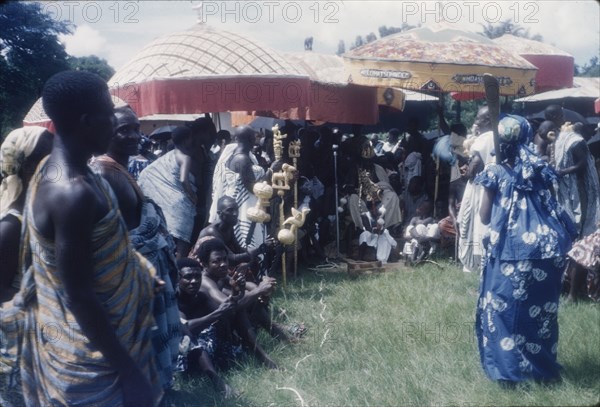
<point x="375" y="235"/>
<point x="203" y="322"/>
<point x="218" y="285"/>
<point x="223" y="228"/>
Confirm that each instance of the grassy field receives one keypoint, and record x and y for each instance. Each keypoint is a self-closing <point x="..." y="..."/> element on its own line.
<point x="400" y="338"/>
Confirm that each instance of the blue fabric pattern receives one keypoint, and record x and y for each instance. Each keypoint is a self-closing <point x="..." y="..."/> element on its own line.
<point x="516" y="318"/>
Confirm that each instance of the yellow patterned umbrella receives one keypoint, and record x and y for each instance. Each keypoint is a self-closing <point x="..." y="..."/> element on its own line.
<point x="439" y="58"/>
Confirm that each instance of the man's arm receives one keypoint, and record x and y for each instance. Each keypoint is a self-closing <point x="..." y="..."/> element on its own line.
<point x="209" y="287"/>
<point x="73" y="212"/>
<point x="475" y="166"/>
<point x="485" y="211"/>
<point x="185" y="167"/>
<point x="224" y="309"/>
<point x="580" y="155"/>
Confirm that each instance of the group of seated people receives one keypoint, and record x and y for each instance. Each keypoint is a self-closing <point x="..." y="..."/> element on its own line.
<point x="200" y="269"/>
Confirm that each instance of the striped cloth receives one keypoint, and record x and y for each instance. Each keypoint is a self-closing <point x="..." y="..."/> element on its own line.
<point x="152" y="240"/>
<point x="245" y="200"/>
<point x="59" y="365"/>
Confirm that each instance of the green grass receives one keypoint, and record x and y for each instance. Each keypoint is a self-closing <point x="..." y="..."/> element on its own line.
<point x="399" y="338"/>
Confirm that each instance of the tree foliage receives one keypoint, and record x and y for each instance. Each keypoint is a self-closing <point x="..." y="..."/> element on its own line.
<point x="341" y="48"/>
<point x="92" y="64"/>
<point x="30" y="53"/>
<point x="385" y="30"/>
<point x="590" y="69"/>
<point x="508" y="26"/>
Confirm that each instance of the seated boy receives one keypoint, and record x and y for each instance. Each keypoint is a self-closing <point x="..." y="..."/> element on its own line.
<point x="204" y="342"/>
<point x="217" y="284"/>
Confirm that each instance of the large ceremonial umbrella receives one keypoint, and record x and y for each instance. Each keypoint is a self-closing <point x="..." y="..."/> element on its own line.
<point x="555" y="66"/>
<point x="207" y="70"/>
<point x="579" y="97"/>
<point x="439" y="58"/>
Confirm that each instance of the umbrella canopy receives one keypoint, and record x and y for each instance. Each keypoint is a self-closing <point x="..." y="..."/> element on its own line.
<point x="439" y="58"/>
<point x="38" y="117"/>
<point x="555" y="66"/>
<point x="568" y="115"/>
<point x="205" y="70"/>
<point x="332" y="99"/>
<point x="583" y="88"/>
<point x="163" y="132"/>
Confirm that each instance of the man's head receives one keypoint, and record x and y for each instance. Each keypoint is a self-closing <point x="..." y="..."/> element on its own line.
<point x="127" y="136"/>
<point x="183" y="139"/>
<point x="205" y="131"/>
<point x="415" y="185"/>
<point x="548" y="131"/>
<point x="482" y="120"/>
<point x="227" y="209"/>
<point x="212" y="254"/>
<point x="459" y="129"/>
<point x="245" y="135"/>
<point x="554" y="113"/>
<point x="393" y="136"/>
<point x="190" y="275"/>
<point x="223" y="137"/>
<point x="79" y="105"/>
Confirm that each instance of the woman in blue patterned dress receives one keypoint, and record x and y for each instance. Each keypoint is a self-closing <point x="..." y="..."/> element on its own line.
<point x="516" y="320"/>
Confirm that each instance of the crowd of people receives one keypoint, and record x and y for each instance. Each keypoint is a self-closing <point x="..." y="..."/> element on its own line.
<point x="148" y="265"/>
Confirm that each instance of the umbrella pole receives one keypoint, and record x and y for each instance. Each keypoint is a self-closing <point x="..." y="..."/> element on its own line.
<point x="492" y="95"/>
<point x="294" y="153"/>
<point x="337" y="212"/>
<point x="283" y="257"/>
<point x="437" y="185"/>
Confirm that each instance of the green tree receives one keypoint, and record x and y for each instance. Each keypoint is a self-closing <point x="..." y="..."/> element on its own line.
<point x="370" y="37"/>
<point x="508" y="27"/>
<point x="591" y="69"/>
<point x="358" y="42"/>
<point x="385" y="31"/>
<point x="92" y="64"/>
<point x="341" y="48"/>
<point x="30" y="53"/>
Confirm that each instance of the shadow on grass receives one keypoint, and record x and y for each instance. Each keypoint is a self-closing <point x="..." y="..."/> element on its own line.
<point x="584" y="370"/>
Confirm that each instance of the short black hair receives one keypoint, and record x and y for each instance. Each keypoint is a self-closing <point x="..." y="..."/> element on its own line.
<point x="225" y="198"/>
<point x="180" y="134"/>
<point x="124" y="110"/>
<point x="459" y="129"/>
<point x="187" y="262"/>
<point x="209" y="246"/>
<point x="69" y="94"/>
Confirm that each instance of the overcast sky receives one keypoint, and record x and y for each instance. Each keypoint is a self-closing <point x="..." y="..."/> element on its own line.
<point x="117" y="30"/>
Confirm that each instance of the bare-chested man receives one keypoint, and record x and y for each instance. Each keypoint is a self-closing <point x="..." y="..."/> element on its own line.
<point x="148" y="234"/>
<point x="88" y="280"/>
